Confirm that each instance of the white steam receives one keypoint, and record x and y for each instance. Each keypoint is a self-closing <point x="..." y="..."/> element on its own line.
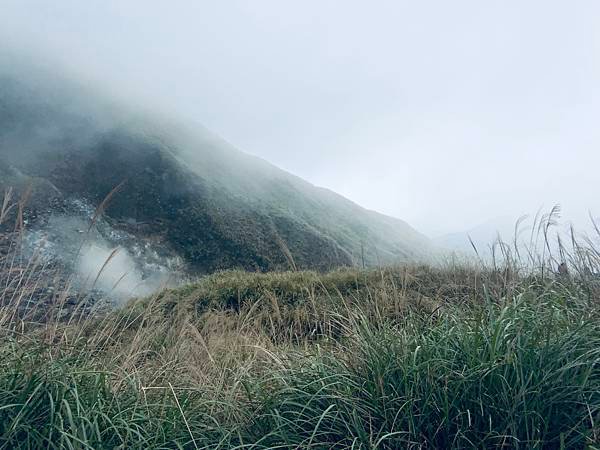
<point x="114" y="272"/>
<point x="111" y="262"/>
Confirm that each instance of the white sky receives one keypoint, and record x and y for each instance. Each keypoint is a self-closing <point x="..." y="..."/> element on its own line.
<point x="443" y="113"/>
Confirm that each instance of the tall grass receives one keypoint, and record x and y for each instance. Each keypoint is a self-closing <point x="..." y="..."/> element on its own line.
<point x="498" y="355"/>
<point x="524" y="375"/>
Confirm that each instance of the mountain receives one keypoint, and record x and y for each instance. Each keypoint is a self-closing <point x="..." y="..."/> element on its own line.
<point x="182" y="192"/>
<point x="482" y="236"/>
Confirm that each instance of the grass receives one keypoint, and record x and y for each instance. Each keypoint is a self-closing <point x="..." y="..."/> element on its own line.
<point x="505" y="355"/>
<point x="507" y="379"/>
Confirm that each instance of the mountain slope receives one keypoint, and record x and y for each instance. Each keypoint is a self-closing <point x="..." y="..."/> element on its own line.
<point x="183" y="189"/>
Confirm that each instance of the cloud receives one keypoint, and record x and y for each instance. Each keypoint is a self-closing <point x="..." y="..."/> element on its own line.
<point x="442" y="113"/>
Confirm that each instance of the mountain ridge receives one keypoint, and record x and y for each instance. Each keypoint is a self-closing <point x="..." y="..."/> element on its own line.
<point x="186" y="188"/>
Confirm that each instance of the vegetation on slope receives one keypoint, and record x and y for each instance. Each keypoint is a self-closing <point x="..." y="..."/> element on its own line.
<point x="406" y="357"/>
<point x="215" y="206"/>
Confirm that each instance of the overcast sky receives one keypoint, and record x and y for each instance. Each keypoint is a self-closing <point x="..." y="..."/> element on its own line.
<point x="443" y="113"/>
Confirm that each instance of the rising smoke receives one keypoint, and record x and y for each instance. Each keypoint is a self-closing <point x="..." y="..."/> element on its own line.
<point x="48" y="125"/>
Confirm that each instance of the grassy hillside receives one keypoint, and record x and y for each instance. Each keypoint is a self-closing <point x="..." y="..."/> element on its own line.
<point x="406" y="357"/>
<point x="498" y="354"/>
<point x="211" y="204"/>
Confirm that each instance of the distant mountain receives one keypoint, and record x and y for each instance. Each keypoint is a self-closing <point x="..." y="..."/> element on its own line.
<point x="182" y="190"/>
<point x="528" y="237"/>
<point x="482" y="236"/>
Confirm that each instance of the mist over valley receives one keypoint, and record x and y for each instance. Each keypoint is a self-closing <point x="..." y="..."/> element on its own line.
<point x="299" y="225"/>
<point x="181" y="194"/>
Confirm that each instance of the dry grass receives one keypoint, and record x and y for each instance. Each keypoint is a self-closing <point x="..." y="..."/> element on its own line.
<point x="499" y="356"/>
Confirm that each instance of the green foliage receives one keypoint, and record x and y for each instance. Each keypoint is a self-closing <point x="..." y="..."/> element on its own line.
<point x="405" y="357"/>
<point x="523" y="375"/>
<point x="514" y="372"/>
<point x="235" y="289"/>
<point x="66" y="403"/>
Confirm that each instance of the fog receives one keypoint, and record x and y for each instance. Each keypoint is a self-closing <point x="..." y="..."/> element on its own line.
<point x="445" y="114"/>
<point x="102" y="258"/>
